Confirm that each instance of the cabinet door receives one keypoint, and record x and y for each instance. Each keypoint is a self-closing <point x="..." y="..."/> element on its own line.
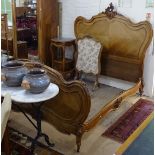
<point x="47" y="16"/>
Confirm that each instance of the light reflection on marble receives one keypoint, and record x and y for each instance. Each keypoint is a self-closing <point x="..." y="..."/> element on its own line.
<point x="18" y="94"/>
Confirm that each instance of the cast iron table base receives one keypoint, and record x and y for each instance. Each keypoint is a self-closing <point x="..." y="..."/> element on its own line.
<point x="38" y="118"/>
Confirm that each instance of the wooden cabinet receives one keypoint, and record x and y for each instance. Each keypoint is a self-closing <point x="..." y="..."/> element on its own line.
<point x="47" y="16"/>
<point x="61" y="61"/>
<point x="41" y="22"/>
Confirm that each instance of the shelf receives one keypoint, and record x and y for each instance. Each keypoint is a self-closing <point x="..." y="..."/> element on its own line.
<point x="22" y="29"/>
<point x="63" y="67"/>
<point x="34" y="8"/>
<point x="31" y="16"/>
<point x="59" y="61"/>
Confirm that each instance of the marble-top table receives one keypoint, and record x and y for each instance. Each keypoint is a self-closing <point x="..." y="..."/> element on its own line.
<point x="18" y="94"/>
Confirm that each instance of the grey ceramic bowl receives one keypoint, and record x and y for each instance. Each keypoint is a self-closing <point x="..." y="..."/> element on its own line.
<point x="36" y="81"/>
<point x="13" y="73"/>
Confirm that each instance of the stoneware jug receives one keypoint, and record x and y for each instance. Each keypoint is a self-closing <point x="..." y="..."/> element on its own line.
<point x="13" y="73"/>
<point x="36" y="81"/>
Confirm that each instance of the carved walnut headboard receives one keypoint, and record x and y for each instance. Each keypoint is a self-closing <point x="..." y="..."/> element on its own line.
<point x="124" y="43"/>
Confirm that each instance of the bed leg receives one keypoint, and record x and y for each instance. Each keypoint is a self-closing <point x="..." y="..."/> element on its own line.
<point x="78" y="141"/>
<point x="141" y="88"/>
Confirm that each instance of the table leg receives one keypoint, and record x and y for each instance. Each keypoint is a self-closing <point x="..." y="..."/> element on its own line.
<point x="39" y="131"/>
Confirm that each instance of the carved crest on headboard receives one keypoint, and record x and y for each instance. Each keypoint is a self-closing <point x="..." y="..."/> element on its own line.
<point x="109" y="11"/>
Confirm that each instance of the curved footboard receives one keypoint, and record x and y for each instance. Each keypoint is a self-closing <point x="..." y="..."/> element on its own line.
<point x="70" y="108"/>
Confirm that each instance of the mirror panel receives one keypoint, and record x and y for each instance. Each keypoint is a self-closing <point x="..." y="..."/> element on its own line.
<point x="25" y="21"/>
<point x="34" y="23"/>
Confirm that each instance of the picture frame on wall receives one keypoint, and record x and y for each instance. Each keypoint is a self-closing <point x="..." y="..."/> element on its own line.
<point x="149" y="3"/>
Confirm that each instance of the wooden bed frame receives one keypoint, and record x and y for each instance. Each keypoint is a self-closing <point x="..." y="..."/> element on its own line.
<point x="124" y="42"/>
<point x="125" y="45"/>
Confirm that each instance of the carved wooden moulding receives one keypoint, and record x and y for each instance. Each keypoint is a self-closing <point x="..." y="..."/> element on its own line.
<point x="110" y="11"/>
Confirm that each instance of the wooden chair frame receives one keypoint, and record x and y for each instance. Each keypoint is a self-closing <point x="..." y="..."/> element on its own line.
<point x="79" y="73"/>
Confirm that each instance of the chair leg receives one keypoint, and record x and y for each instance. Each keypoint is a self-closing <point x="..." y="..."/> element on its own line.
<point x="96" y="84"/>
<point x="78" y="75"/>
<point x="78" y="141"/>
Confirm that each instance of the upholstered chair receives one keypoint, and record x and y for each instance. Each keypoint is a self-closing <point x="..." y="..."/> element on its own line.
<point x="88" y="59"/>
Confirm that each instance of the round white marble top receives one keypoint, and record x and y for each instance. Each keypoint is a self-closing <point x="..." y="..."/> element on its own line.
<point x="18" y="94"/>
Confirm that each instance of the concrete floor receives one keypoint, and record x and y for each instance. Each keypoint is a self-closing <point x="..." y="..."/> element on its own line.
<point x="92" y="142"/>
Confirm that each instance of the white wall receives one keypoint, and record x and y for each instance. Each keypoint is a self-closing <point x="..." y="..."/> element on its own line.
<point x="88" y="8"/>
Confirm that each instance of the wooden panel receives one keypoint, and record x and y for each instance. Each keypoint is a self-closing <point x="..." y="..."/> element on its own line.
<point x="47" y="26"/>
<point x="123" y="41"/>
<point x="70" y="108"/>
<point x="22" y="49"/>
<point x="119" y="69"/>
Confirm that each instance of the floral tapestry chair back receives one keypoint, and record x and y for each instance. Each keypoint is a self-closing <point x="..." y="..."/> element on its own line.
<point x="88" y="60"/>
